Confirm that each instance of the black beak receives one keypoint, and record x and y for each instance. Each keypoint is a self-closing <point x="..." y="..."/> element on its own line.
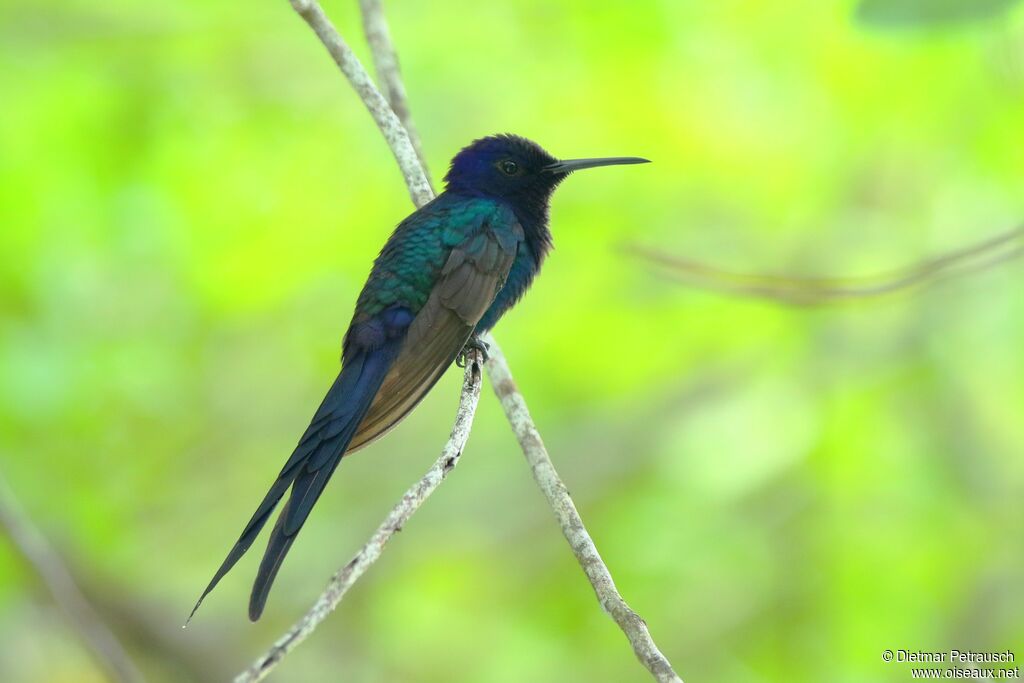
<point x="570" y="165"/>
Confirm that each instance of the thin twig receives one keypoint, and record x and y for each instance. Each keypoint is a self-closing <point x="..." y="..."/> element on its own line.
<point x="392" y="129"/>
<point x="389" y="75"/>
<point x="819" y="291"/>
<point x="346" y="577"/>
<point x="575" y="532"/>
<point x="513" y="402"/>
<point x="104" y="646"/>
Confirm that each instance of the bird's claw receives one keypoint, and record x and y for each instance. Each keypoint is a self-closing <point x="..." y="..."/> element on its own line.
<point x="474" y="344"/>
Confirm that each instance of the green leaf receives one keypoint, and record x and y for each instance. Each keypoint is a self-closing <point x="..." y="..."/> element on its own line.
<point x="927" y="13"/>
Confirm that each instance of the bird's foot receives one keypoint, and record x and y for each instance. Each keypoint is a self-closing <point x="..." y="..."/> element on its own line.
<point x="475" y="343"/>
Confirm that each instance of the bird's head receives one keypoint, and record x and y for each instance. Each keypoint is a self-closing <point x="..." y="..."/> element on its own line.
<point x="516" y="169"/>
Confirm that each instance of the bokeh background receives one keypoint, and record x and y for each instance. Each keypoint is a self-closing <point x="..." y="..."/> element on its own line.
<point x="191" y="197"/>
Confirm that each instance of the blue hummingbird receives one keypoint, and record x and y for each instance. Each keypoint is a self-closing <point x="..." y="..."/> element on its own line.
<point x="445" y="276"/>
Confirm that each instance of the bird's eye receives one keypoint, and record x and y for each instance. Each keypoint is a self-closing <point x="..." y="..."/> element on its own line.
<point x="509" y="167"/>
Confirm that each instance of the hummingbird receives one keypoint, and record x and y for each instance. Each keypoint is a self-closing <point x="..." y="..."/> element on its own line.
<point x="445" y="276"/>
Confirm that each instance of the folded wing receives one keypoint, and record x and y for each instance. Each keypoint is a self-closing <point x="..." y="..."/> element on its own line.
<point x="470" y="279"/>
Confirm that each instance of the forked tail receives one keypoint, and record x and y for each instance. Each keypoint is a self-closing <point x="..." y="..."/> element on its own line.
<point x="309" y="468"/>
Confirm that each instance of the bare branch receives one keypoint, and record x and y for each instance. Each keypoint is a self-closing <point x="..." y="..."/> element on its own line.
<point x="512" y="401"/>
<point x="83" y="618"/>
<point x="569" y="519"/>
<point x="389" y="75"/>
<point x="820" y="291"/>
<point x="395" y="135"/>
<point x="346" y="577"/>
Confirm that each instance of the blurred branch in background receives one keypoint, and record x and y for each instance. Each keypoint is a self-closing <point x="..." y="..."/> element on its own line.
<point x="917" y="14"/>
<point x="822" y="291"/>
<point x="141" y="622"/>
<point x="399" y="139"/>
<point x="48" y="565"/>
<point x="346" y="577"/>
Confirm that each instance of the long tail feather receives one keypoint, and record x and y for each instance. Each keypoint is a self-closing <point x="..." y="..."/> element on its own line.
<point x="309" y="468"/>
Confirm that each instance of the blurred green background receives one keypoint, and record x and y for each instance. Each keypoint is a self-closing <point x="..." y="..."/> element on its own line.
<point x="191" y="197"/>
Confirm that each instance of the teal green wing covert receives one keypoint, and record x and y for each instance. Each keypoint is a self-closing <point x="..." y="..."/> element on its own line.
<point x="468" y="251"/>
